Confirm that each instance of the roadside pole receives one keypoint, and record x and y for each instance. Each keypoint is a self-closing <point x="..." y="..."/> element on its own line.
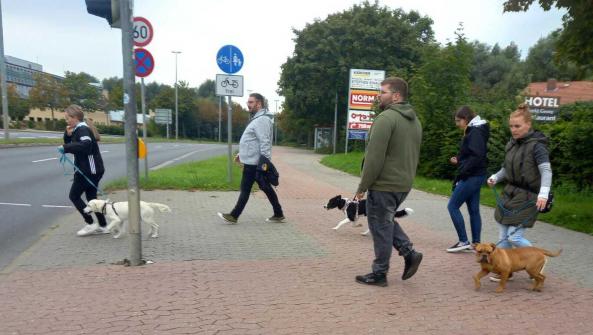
<point x="143" y="96"/>
<point x="3" y="80"/>
<point x="220" y="119"/>
<point x="126" y="10"/>
<point x="335" y="123"/>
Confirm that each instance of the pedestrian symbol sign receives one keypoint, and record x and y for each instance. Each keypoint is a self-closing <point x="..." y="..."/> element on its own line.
<point x="229" y="59"/>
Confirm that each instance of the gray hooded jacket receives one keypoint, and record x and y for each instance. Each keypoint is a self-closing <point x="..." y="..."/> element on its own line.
<point x="256" y="140"/>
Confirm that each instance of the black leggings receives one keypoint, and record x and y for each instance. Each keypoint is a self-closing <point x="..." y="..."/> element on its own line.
<point x="79" y="186"/>
<point x="247" y="181"/>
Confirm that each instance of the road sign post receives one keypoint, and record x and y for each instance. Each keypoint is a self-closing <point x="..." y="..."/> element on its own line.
<point x="230" y="60"/>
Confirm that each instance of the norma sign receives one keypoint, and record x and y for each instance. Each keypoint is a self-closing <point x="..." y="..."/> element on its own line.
<point x="364" y="87"/>
<point x="229" y="59"/>
<point x="543" y="108"/>
<point x="144" y="62"/>
<point x="143" y="32"/>
<point x="229" y="85"/>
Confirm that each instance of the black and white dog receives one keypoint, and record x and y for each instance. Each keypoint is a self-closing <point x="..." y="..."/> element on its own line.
<point x="353" y="209"/>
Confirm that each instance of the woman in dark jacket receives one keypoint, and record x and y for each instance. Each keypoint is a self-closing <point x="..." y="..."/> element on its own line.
<point x="471" y="174"/>
<point x="79" y="140"/>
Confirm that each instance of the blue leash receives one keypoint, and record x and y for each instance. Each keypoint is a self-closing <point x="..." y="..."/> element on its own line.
<point x="64" y="159"/>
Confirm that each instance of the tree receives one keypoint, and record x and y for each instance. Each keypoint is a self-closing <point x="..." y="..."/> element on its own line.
<point x="18" y="107"/>
<point x="575" y="41"/>
<point x="366" y="36"/>
<point x="48" y="92"/>
<point x="83" y="90"/>
<point x="540" y="62"/>
<point x="441" y="86"/>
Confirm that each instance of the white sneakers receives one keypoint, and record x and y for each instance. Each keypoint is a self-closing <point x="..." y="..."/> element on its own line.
<point x="459" y="246"/>
<point x="90" y="229"/>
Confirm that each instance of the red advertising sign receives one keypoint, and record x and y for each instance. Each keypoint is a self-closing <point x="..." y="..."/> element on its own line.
<point x="362" y="99"/>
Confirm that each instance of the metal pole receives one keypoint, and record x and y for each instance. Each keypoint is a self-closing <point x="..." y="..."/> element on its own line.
<point x="230" y="140"/>
<point x="220" y="118"/>
<point x="3" y="80"/>
<point x="144" y="126"/>
<point x="176" y="98"/>
<point x="336" y="123"/>
<point x="276" y="124"/>
<point x="126" y="10"/>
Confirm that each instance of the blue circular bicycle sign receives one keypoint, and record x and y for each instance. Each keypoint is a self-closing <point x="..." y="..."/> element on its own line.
<point x="229" y="59"/>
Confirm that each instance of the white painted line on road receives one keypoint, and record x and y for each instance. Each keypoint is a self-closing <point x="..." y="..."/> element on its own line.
<point x="43" y="160"/>
<point x="55" y="206"/>
<point x="162" y="165"/>
<point x="13" y="204"/>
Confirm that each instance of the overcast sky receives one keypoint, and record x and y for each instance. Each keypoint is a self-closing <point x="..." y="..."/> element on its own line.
<point x="61" y="36"/>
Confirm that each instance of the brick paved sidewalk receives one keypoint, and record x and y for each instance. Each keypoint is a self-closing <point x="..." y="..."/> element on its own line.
<point x="292" y="278"/>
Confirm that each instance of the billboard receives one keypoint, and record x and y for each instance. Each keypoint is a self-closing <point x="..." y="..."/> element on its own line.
<point x="363" y="90"/>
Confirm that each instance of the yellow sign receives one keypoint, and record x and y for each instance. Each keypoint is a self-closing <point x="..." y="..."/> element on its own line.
<point x="141" y="149"/>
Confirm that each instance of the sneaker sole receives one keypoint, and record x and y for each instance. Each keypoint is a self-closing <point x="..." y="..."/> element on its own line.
<point x="223" y="219"/>
<point x="384" y="284"/>
<point x="459" y="249"/>
<point x="274" y="221"/>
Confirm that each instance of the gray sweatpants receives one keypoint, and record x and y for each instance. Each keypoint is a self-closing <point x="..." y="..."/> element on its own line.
<point x="386" y="232"/>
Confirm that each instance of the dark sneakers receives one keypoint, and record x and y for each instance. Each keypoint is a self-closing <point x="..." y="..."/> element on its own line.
<point x="412" y="261"/>
<point x="277" y="219"/>
<point x="227" y="217"/>
<point x="372" y="279"/>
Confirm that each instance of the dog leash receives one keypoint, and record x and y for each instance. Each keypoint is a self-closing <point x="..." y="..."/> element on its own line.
<point x="507" y="212"/>
<point x="64" y="159"/>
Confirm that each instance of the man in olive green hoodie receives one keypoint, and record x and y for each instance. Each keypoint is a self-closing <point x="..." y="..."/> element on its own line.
<point x="389" y="169"/>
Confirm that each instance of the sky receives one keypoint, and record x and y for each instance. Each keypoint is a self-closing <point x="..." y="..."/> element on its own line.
<point x="62" y="36"/>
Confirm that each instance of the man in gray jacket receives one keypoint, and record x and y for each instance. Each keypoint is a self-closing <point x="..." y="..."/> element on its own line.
<point x="255" y="142"/>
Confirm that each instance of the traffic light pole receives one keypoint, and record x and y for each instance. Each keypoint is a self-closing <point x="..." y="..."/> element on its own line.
<point x="126" y="10"/>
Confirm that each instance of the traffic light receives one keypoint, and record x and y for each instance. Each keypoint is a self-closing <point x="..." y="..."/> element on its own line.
<point x="107" y="9"/>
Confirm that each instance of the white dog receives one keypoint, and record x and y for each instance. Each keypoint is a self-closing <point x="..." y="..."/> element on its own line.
<point x="117" y="214"/>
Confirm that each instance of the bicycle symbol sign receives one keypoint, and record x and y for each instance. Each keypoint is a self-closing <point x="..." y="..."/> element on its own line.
<point x="229" y="59"/>
<point x="229" y="85"/>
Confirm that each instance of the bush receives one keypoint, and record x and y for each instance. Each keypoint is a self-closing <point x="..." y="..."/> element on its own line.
<point x="110" y="130"/>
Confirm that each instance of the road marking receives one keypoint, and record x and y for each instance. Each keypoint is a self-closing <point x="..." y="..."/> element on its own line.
<point x="55" y="206"/>
<point x="43" y="160"/>
<point x="162" y="165"/>
<point x="13" y="204"/>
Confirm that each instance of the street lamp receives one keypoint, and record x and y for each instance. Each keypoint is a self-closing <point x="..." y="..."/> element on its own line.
<point x="176" y="98"/>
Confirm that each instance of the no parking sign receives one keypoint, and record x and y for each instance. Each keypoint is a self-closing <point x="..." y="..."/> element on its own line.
<point x="144" y="62"/>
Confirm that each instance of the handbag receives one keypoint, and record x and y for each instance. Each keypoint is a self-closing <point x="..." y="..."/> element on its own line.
<point x="549" y="203"/>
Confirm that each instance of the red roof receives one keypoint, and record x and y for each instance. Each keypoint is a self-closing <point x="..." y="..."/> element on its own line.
<point x="569" y="91"/>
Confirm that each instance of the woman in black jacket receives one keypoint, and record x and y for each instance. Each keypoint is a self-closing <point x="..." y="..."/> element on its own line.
<point x="80" y="140"/>
<point x="471" y="174"/>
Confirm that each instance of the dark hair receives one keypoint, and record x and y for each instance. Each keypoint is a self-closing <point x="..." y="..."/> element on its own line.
<point x="464" y="112"/>
<point x="397" y="85"/>
<point x="260" y="98"/>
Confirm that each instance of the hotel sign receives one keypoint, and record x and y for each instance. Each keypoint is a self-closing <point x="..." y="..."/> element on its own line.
<point x="544" y="109"/>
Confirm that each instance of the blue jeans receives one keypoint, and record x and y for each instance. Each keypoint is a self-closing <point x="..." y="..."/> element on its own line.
<point x="512" y="236"/>
<point x="467" y="191"/>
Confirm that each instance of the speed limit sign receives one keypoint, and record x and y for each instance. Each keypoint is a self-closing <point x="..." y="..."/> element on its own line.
<point x="142" y="31"/>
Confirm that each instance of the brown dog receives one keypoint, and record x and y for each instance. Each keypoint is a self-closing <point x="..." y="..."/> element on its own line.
<point x="506" y="261"/>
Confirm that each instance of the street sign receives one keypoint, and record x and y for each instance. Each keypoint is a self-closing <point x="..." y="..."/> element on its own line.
<point x="144" y="62"/>
<point x="229" y="85"/>
<point x="229" y="59"/>
<point x="162" y="116"/>
<point x="143" y="32"/>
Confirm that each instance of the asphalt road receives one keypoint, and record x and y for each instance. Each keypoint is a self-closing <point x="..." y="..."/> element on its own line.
<point x="34" y="187"/>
